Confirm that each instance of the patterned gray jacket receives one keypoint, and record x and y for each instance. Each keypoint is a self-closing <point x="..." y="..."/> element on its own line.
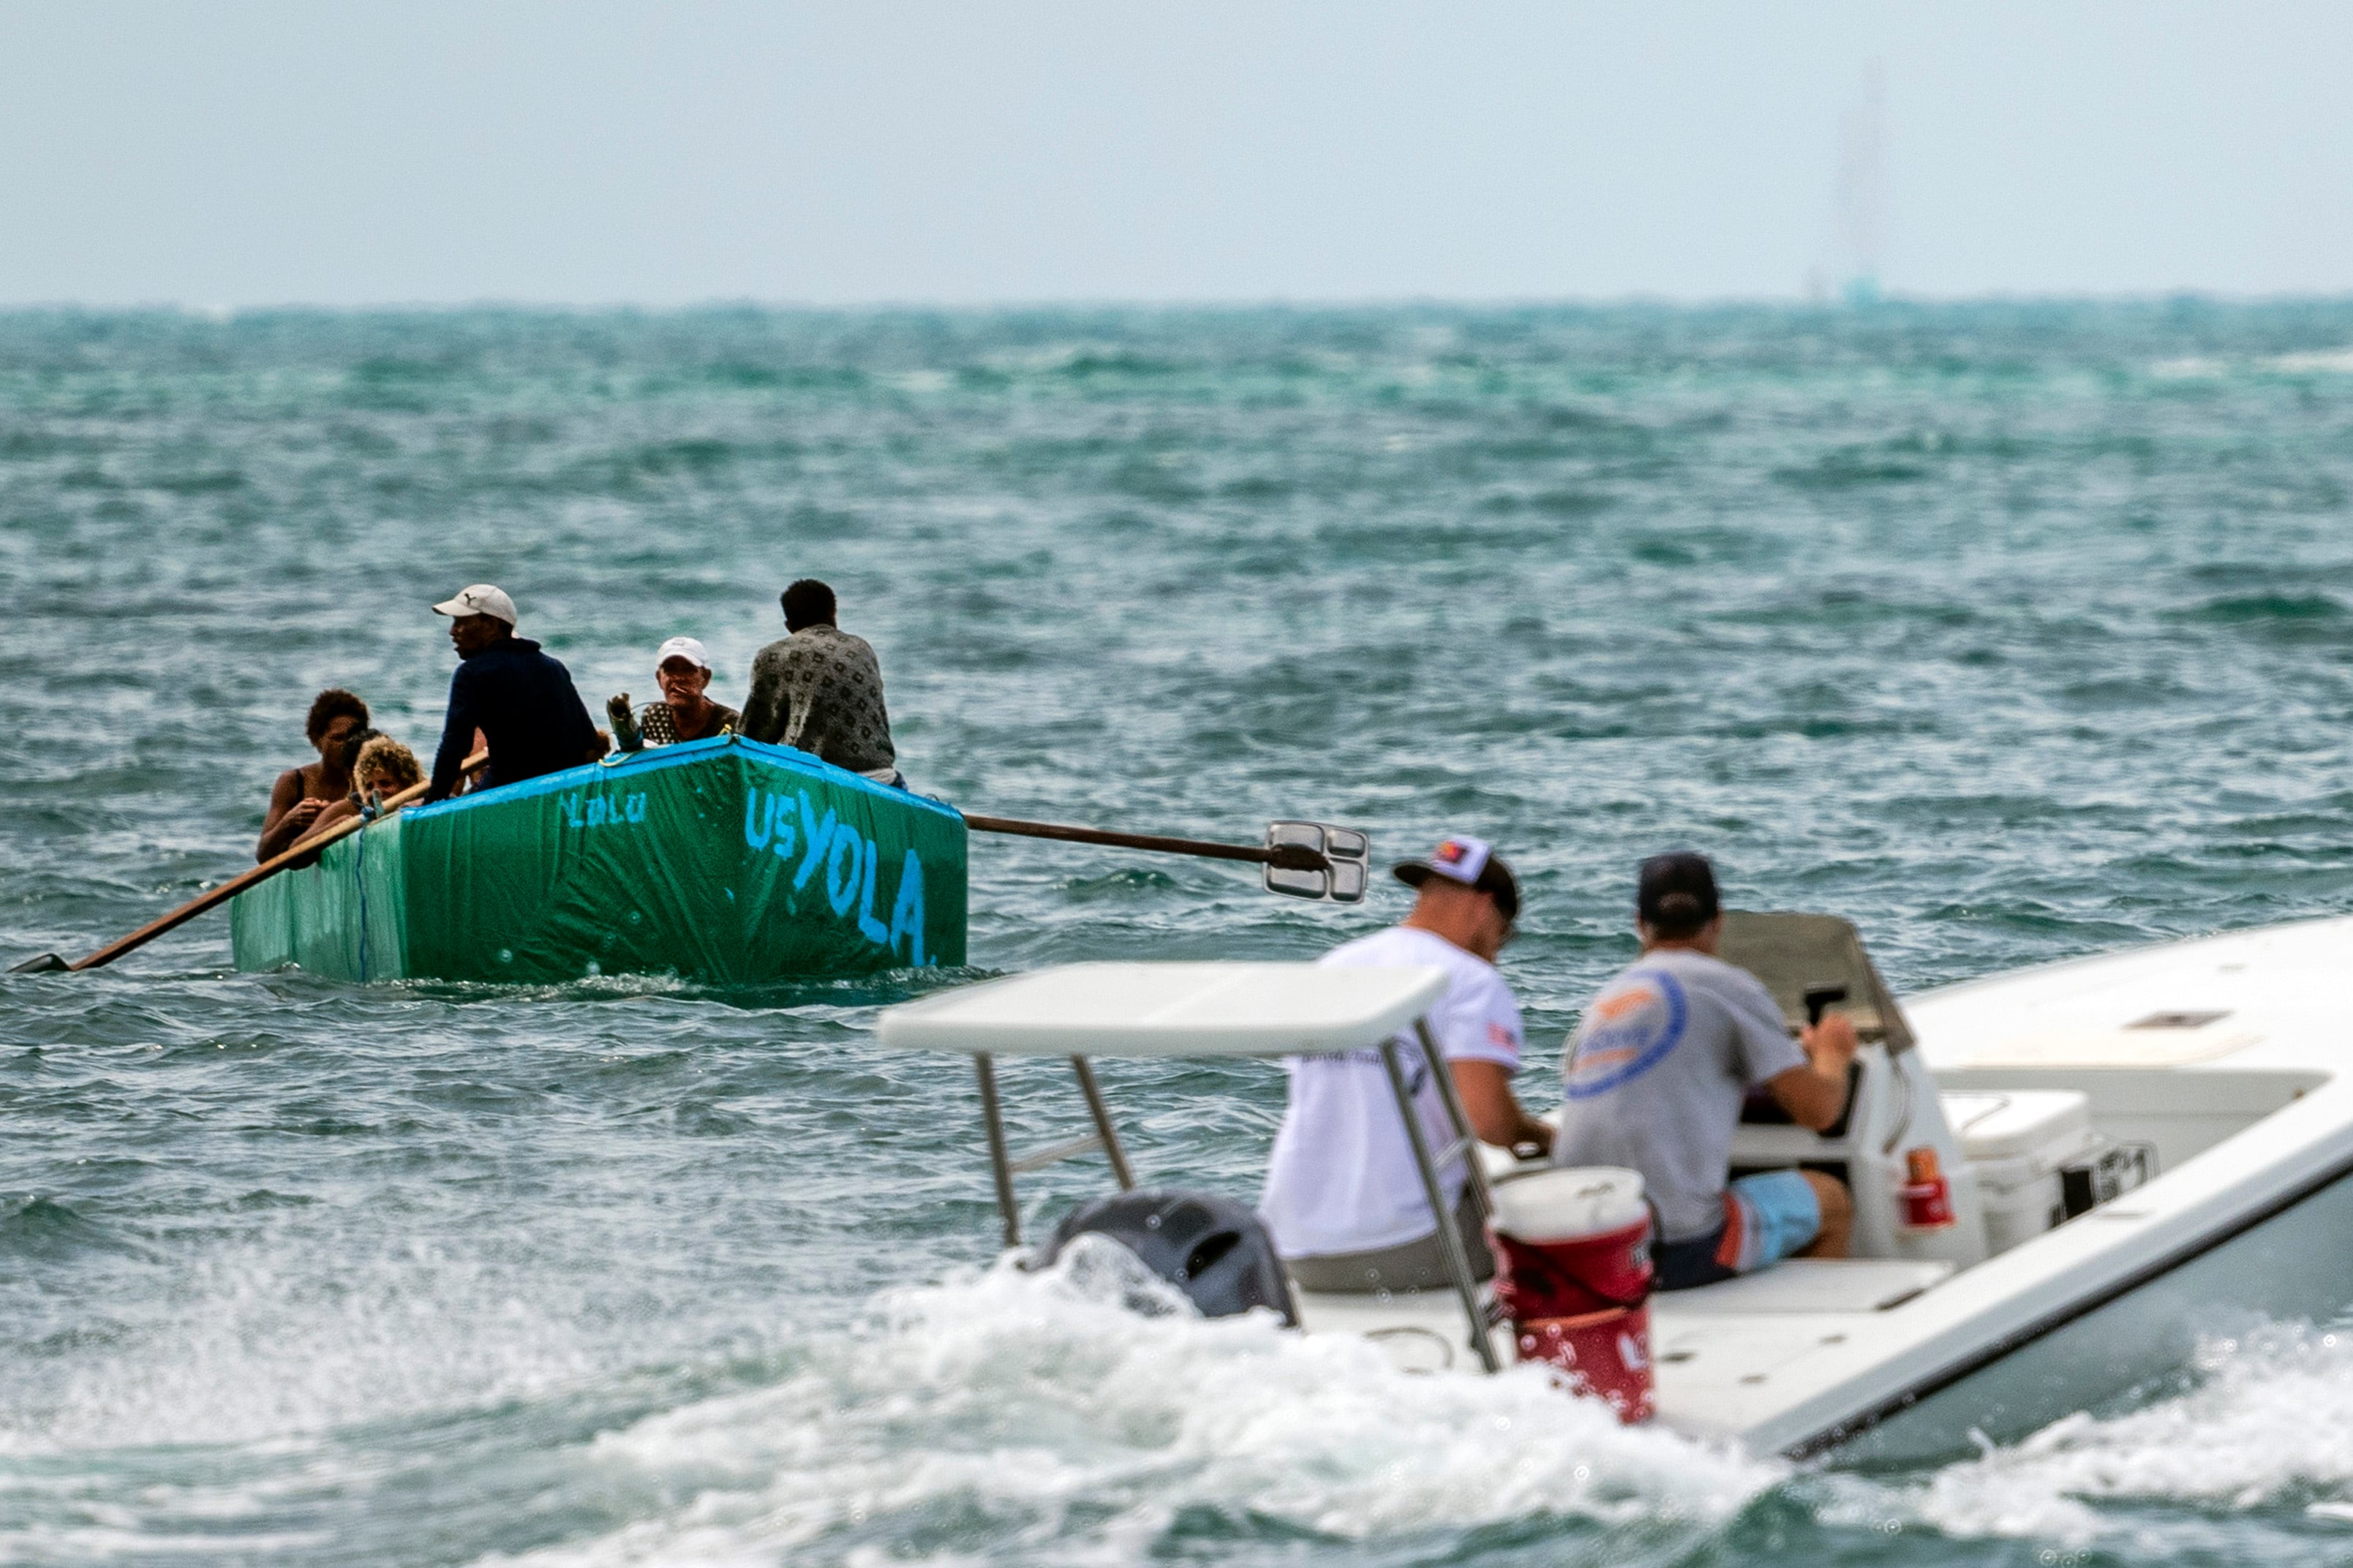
<point x="820" y="689"/>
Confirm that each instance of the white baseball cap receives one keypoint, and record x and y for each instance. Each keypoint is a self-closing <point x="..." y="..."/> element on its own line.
<point x="481" y="599"/>
<point x="687" y="648"/>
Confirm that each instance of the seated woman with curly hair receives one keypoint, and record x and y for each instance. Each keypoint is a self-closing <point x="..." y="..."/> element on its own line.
<point x="384" y="768"/>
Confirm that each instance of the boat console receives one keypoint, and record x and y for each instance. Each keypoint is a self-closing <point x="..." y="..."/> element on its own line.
<point x="2016" y="1162"/>
<point x="1813" y="964"/>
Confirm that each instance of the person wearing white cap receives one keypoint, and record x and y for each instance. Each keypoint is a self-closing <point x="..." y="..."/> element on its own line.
<point x="682" y="669"/>
<point x="1344" y="1199"/>
<point x="522" y="701"/>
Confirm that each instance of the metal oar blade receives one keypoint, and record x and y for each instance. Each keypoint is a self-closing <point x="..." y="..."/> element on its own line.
<point x="47" y="964"/>
<point x="1317" y="860"/>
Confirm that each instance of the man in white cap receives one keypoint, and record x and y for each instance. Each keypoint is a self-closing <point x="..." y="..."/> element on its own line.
<point x="1343" y="1198"/>
<point x="682" y="669"/>
<point x="522" y="701"/>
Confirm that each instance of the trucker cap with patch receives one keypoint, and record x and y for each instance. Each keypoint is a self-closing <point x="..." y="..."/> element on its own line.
<point x="1472" y="862"/>
<point x="479" y="599"/>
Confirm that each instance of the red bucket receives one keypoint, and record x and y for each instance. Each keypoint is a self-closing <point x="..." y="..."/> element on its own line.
<point x="1573" y="1271"/>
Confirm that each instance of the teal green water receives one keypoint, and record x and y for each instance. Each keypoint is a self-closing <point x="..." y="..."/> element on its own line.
<point x="2010" y="632"/>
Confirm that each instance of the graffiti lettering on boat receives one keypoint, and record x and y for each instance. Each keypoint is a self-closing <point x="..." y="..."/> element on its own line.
<point x="597" y="811"/>
<point x="789" y="827"/>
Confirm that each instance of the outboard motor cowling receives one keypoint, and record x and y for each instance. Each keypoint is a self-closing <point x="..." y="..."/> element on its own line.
<point x="1212" y="1248"/>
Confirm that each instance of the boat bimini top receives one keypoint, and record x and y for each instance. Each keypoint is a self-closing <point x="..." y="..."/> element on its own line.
<point x="1202" y="1010"/>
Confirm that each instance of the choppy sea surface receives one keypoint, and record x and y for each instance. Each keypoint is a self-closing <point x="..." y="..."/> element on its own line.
<point x="2012" y="632"/>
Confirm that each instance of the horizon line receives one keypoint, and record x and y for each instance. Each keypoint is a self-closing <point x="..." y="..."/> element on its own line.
<point x="1827" y="304"/>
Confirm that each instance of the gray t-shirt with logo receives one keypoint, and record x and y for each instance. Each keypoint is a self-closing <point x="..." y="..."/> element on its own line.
<point x="1655" y="1075"/>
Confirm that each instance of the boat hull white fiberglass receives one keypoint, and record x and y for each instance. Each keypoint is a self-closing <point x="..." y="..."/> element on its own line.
<point x="2291" y="1266"/>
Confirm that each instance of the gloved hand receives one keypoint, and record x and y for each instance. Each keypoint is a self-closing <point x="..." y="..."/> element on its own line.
<point x="625" y="724"/>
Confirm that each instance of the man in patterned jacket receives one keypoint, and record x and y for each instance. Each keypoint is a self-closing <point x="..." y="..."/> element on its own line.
<point x="820" y="690"/>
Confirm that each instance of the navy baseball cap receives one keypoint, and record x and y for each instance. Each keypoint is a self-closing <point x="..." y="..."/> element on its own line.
<point x="1677" y="891"/>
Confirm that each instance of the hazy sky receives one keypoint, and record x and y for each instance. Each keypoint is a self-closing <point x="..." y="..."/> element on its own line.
<point x="665" y="152"/>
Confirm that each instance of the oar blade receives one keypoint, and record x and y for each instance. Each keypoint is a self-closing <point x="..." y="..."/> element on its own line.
<point x="1318" y="861"/>
<point x="47" y="964"/>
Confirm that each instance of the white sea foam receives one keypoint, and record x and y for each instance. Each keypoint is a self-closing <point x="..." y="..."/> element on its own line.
<point x="2269" y="1423"/>
<point x="260" y="1347"/>
<point x="1072" y="1416"/>
<point x="2338" y="361"/>
<point x="2206" y="367"/>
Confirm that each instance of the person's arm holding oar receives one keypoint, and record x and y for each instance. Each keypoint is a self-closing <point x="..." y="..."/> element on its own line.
<point x="450" y="760"/>
<point x="290" y="814"/>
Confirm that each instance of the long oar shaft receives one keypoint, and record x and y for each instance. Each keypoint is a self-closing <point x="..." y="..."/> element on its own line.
<point x="240" y="883"/>
<point x="1284" y="856"/>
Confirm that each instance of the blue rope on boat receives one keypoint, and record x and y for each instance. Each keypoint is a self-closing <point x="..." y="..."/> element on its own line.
<point x="359" y="870"/>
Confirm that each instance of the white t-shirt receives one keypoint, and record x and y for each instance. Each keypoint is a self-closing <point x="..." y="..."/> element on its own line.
<point x="1342" y="1177"/>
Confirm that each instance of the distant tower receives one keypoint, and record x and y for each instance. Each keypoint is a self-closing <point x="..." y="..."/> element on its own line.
<point x="1860" y="244"/>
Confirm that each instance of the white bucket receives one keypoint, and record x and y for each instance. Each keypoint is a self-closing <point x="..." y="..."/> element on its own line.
<point x="1566" y="1205"/>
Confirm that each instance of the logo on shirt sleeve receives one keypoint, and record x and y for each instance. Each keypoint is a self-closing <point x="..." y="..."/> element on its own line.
<point x="1629" y="1029"/>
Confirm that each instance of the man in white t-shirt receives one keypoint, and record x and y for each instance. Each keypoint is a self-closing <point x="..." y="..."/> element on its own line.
<point x="1344" y="1200"/>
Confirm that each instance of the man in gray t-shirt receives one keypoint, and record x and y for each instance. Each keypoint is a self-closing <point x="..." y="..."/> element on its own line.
<point x="1656" y="1073"/>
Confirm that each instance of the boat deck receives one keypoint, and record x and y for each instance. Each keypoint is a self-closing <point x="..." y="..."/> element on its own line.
<point x="1723" y="1354"/>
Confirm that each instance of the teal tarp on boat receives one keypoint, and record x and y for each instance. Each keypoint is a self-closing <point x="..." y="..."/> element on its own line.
<point x="721" y="860"/>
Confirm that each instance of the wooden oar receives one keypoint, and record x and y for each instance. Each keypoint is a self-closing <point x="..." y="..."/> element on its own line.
<point x="50" y="962"/>
<point x="1282" y="857"/>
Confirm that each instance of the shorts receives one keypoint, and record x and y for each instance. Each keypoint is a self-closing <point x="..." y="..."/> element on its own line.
<point x="1416" y="1265"/>
<point x="1766" y="1218"/>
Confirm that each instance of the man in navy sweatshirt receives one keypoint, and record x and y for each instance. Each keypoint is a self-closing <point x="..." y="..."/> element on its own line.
<point x="522" y="701"/>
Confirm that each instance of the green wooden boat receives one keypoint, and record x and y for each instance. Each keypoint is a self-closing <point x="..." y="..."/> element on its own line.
<point x="721" y="860"/>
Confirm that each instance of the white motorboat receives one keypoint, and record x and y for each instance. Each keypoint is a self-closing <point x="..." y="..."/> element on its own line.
<point x="2140" y="1149"/>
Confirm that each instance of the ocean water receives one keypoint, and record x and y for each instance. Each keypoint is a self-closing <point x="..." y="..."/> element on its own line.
<point x="2012" y="632"/>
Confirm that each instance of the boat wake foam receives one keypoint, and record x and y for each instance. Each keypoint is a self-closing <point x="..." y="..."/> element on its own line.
<point x="2267" y="1428"/>
<point x="1083" y="1414"/>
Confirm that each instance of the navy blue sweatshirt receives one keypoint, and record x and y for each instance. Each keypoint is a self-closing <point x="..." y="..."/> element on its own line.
<point x="526" y="703"/>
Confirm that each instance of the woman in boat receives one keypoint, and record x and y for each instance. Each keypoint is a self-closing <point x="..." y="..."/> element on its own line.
<point x="300" y="793"/>
<point x="686" y="712"/>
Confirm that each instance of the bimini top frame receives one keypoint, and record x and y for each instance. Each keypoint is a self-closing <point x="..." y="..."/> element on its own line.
<point x="1218" y="1010"/>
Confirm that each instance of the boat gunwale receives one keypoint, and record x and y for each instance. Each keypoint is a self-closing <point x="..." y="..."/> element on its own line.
<point x="2109" y="954"/>
<point x="680" y="754"/>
